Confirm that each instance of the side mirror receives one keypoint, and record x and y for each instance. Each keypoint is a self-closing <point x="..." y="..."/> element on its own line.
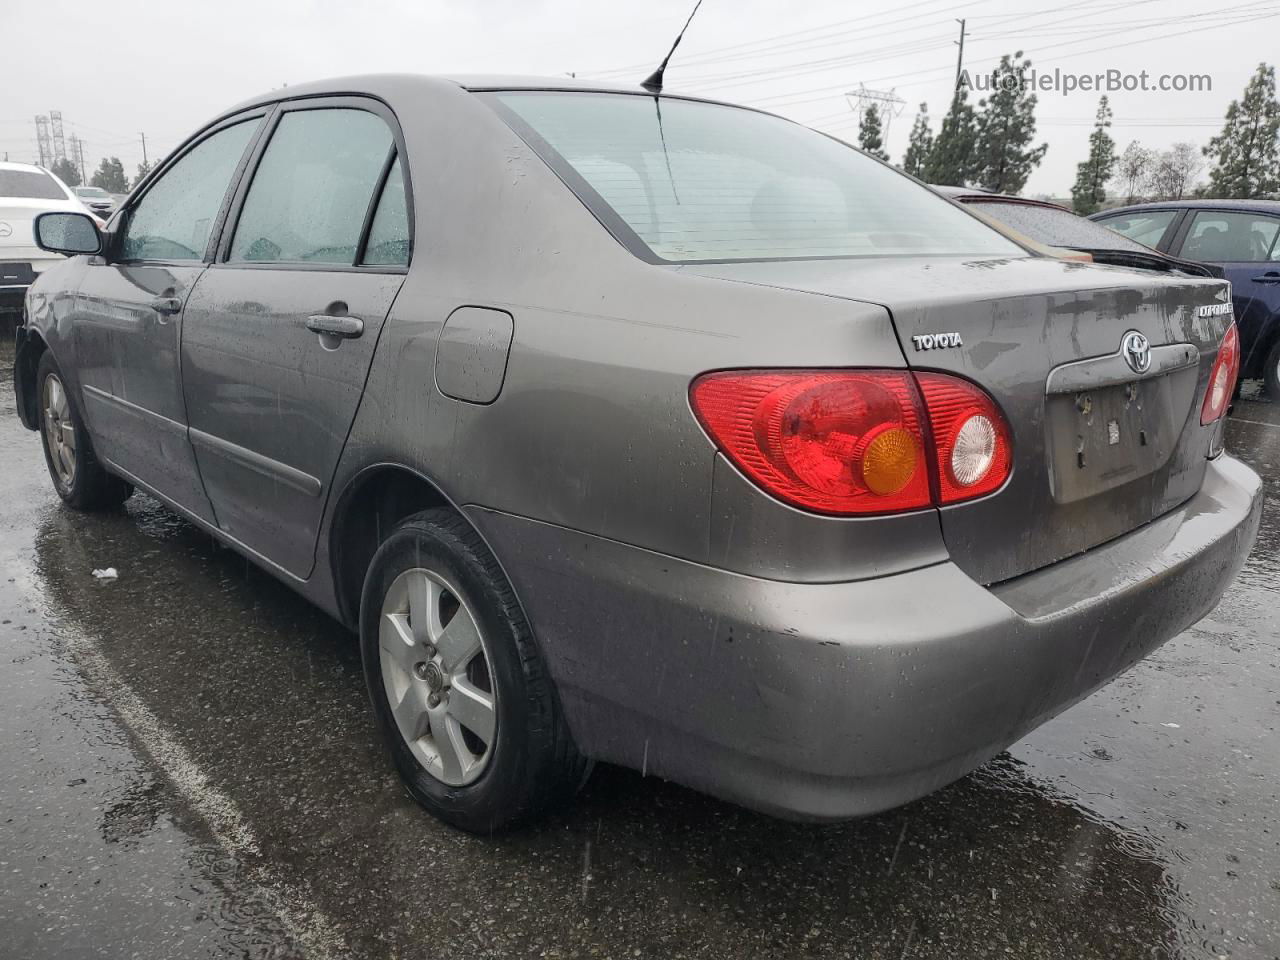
<point x="69" y="233"/>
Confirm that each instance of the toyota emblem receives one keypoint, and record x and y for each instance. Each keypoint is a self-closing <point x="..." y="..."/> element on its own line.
<point x="5" y="229"/>
<point x="1137" y="351"/>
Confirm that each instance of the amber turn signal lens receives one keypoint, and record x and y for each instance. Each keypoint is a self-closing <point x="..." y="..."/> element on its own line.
<point x="889" y="461"/>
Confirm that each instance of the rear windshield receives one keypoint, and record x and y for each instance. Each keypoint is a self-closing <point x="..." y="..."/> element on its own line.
<point x="681" y="181"/>
<point x="30" y="185"/>
<point x="1057" y="228"/>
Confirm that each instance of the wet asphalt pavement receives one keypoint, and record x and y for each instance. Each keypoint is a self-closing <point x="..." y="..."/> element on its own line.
<point x="190" y="770"/>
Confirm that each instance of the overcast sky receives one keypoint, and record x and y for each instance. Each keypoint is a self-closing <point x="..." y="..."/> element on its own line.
<point x="115" y="69"/>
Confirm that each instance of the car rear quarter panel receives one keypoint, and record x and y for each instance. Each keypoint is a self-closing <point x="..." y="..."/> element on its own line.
<point x="592" y="429"/>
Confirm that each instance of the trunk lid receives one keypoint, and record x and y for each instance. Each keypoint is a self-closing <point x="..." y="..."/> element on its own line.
<point x="16" y="242"/>
<point x="1099" y="449"/>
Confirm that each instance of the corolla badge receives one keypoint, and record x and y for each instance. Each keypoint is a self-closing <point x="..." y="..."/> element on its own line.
<point x="1213" y="310"/>
<point x="1137" y="351"/>
<point x="5" y="229"/>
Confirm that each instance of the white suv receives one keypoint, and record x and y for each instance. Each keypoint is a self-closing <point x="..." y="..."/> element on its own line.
<point x="25" y="191"/>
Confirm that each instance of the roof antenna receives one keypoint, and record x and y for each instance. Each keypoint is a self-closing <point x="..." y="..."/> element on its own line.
<point x="654" y="82"/>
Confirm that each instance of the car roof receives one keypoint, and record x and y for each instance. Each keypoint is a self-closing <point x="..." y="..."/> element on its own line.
<point x="374" y="82"/>
<point x="28" y="167"/>
<point x="1261" y="206"/>
<point x="386" y="85"/>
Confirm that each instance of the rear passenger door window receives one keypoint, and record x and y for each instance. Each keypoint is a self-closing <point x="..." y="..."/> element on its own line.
<point x="311" y="192"/>
<point x="388" y="243"/>
<point x="1219" y="236"/>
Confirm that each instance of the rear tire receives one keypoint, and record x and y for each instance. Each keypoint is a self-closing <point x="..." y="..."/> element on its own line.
<point x="459" y="688"/>
<point x="78" y="477"/>
<point x="1271" y="373"/>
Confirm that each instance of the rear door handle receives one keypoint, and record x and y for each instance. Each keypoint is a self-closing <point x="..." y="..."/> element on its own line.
<point x="1269" y="277"/>
<point x="346" y="327"/>
<point x="166" y="305"/>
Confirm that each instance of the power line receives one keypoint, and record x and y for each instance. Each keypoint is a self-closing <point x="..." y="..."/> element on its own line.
<point x="1103" y="30"/>
<point x="863" y="39"/>
<point x="716" y="80"/>
<point x="914" y="47"/>
<point x="840" y="38"/>
<point x="696" y="58"/>
<point x="1100" y="30"/>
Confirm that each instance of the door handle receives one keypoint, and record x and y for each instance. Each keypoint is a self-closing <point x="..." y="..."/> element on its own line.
<point x="1269" y="277"/>
<point x="345" y="327"/>
<point x="166" y="305"/>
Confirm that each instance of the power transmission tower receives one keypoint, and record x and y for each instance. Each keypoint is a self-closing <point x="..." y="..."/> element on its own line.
<point x="77" y="156"/>
<point x="959" y="58"/>
<point x="42" y="141"/>
<point x="887" y="102"/>
<point x="145" y="165"/>
<point x="59" y="145"/>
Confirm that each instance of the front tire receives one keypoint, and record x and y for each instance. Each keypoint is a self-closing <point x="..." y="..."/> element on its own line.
<point x="460" y="691"/>
<point x="78" y="477"/>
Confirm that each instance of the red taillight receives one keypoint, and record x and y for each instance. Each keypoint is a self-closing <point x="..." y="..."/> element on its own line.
<point x="856" y="441"/>
<point x="1222" y="378"/>
<point x="834" y="441"/>
<point x="972" y="447"/>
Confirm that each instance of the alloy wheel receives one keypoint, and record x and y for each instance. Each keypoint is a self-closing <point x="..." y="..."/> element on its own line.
<point x="59" y="431"/>
<point x="437" y="676"/>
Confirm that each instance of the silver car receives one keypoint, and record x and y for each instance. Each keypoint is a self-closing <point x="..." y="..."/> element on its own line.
<point x="646" y="429"/>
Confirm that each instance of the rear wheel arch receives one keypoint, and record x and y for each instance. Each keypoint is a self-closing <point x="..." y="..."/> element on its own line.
<point x="369" y="508"/>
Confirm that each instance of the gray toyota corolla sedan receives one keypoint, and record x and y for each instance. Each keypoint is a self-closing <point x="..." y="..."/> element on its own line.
<point x="645" y="429"/>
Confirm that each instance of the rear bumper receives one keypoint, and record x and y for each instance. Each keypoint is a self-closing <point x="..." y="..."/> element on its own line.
<point x="827" y="701"/>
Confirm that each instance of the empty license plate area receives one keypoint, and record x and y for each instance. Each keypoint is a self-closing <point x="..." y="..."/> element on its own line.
<point x="1108" y="436"/>
<point x="16" y="273"/>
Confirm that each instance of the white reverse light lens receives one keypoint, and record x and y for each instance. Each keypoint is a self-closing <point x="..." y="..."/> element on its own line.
<point x="1218" y="391"/>
<point x="974" y="450"/>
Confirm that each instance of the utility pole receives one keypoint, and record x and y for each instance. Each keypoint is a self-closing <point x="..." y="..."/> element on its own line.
<point x="144" y="151"/>
<point x="959" y="59"/>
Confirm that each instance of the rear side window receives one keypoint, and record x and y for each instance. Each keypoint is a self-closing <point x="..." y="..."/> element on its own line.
<point x="30" y="185"/>
<point x="1147" y="227"/>
<point x="694" y="181"/>
<point x="173" y="219"/>
<point x="1221" y="237"/>
<point x="389" y="233"/>
<point x="313" y="187"/>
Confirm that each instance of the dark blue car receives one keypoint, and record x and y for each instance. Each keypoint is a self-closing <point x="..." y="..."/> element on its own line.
<point x="1242" y="237"/>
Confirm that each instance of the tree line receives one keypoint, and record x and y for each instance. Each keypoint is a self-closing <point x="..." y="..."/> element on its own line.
<point x="992" y="146"/>
<point x="1243" y="160"/>
<point x="110" y="175"/>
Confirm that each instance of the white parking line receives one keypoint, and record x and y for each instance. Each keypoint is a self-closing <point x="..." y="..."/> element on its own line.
<point x="312" y="930"/>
